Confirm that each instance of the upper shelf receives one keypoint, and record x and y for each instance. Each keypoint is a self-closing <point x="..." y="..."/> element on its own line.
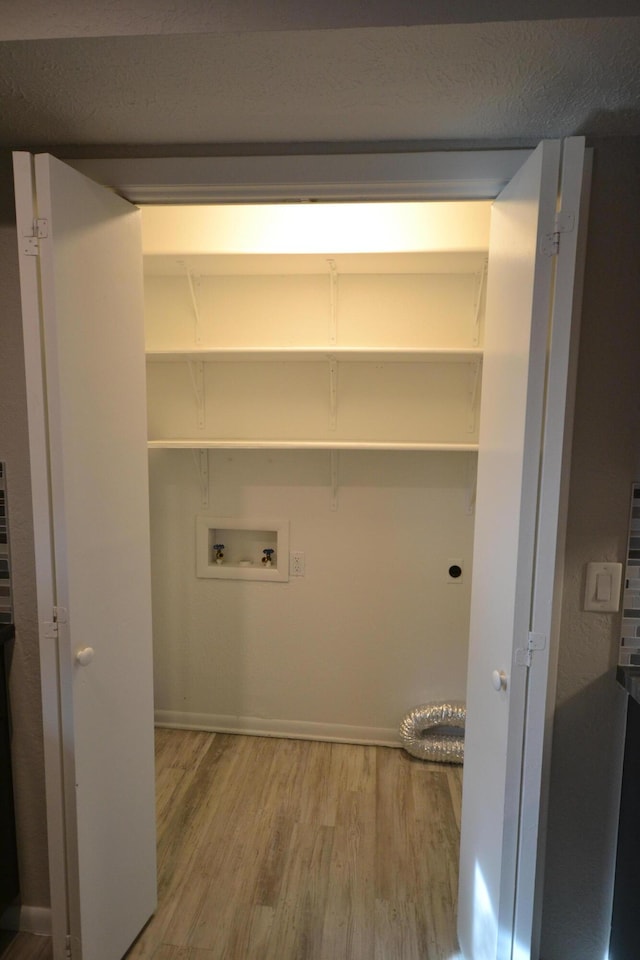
<point x="207" y="444"/>
<point x="315" y="354"/>
<point x="309" y="264"/>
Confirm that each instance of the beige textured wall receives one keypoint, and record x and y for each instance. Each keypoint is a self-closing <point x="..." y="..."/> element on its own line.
<point x="24" y="690"/>
<point x="589" y="723"/>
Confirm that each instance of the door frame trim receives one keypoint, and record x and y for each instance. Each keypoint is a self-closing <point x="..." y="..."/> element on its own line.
<point x="23" y="167"/>
<point x="447" y="175"/>
<point x="437" y="175"/>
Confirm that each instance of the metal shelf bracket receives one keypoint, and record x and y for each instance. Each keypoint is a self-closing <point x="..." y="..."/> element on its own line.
<point x="333" y="302"/>
<point x="192" y="280"/>
<point x="474" y="395"/>
<point x="482" y="280"/>
<point x="472" y="483"/>
<point x="196" y="370"/>
<point x="333" y="393"/>
<point x="201" y="460"/>
<point x="335" y="478"/>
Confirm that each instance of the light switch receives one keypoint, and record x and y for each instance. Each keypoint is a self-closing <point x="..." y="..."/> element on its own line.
<point x="602" y="590"/>
<point x="603" y="586"/>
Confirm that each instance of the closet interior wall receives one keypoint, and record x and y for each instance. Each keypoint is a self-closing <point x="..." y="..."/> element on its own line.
<point x="334" y="391"/>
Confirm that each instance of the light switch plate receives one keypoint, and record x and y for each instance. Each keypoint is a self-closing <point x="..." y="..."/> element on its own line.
<point x="602" y="588"/>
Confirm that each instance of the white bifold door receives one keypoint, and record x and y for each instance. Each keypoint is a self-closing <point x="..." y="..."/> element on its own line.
<point x="528" y="370"/>
<point x="81" y="277"/>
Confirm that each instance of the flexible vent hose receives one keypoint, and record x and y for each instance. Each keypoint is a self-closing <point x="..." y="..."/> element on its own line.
<point x="430" y="732"/>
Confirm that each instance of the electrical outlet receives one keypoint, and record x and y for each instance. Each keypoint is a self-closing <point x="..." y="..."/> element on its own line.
<point x="296" y="563"/>
<point x="455" y="571"/>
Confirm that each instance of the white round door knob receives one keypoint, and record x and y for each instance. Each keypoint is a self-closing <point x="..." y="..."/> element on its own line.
<point x="499" y="680"/>
<point x="85" y="656"/>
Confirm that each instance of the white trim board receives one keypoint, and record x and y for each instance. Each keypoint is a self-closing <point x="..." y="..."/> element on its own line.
<point x="270" y="727"/>
<point x="42" y="522"/>
<point x="27" y="919"/>
<point x="472" y="174"/>
<point x="448" y="175"/>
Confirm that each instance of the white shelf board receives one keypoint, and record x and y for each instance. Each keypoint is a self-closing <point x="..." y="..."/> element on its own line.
<point x="315" y="354"/>
<point x="295" y="264"/>
<point x="206" y="444"/>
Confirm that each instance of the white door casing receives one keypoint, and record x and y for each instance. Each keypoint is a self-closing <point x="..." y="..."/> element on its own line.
<point x="517" y="546"/>
<point x="77" y="681"/>
<point x="89" y="418"/>
<point x="551" y="536"/>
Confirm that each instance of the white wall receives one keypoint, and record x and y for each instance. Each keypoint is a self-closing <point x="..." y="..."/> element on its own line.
<point x="373" y="628"/>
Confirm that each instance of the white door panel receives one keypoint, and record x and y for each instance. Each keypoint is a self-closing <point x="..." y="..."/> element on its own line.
<point x="91" y="321"/>
<point x="519" y="312"/>
<point x="551" y="530"/>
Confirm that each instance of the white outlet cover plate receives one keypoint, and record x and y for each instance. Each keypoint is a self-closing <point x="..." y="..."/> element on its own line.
<point x="297" y="563"/>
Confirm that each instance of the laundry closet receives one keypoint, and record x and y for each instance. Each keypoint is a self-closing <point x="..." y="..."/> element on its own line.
<point x="314" y="383"/>
<point x="320" y="383"/>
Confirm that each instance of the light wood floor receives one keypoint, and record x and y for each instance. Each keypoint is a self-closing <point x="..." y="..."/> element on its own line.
<point x="292" y="850"/>
<point x="24" y="946"/>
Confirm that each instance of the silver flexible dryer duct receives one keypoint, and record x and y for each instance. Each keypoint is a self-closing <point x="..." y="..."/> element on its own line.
<point x="424" y="732"/>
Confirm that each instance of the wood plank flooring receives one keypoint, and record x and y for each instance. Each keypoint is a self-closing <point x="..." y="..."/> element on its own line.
<point x="24" y="946"/>
<point x="293" y="850"/>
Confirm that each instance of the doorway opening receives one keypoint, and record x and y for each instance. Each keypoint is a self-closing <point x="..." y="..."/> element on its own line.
<point x="316" y="368"/>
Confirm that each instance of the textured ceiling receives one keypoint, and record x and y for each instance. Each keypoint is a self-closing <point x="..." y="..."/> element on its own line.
<point x="42" y="19"/>
<point x="514" y="81"/>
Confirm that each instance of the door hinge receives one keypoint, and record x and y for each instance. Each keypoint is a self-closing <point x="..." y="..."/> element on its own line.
<point x="51" y="631"/>
<point x="535" y="641"/>
<point x="30" y="245"/>
<point x="563" y="222"/>
<point x="67" y="947"/>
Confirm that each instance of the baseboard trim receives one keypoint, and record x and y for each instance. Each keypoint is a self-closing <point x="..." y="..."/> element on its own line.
<point x="290" y="729"/>
<point x="27" y="919"/>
